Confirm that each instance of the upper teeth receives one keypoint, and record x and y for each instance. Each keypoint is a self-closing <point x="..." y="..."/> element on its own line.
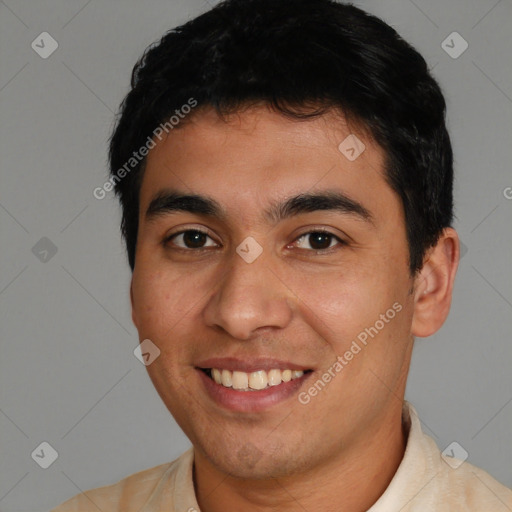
<point x="254" y="380"/>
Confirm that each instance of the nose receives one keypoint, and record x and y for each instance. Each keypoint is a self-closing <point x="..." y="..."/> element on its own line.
<point x="249" y="297"/>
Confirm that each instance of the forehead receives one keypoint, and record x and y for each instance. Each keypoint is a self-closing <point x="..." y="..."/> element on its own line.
<point x="250" y="158"/>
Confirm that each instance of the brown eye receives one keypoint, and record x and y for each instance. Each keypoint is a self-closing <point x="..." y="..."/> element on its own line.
<point x="190" y="239"/>
<point x="318" y="240"/>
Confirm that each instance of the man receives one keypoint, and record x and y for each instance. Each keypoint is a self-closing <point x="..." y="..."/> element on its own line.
<point x="286" y="178"/>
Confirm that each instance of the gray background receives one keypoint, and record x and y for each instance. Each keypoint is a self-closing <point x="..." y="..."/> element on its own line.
<point x="68" y="375"/>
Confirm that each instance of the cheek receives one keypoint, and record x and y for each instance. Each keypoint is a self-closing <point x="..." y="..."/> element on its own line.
<point x="340" y="305"/>
<point x="161" y="300"/>
<point x="340" y="300"/>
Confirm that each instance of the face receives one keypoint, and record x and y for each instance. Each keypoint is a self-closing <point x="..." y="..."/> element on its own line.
<point x="290" y="256"/>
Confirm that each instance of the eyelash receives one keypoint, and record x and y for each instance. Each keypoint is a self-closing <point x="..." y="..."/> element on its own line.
<point x="315" y="231"/>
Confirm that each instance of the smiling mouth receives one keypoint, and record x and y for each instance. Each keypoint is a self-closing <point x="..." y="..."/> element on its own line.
<point x="254" y="381"/>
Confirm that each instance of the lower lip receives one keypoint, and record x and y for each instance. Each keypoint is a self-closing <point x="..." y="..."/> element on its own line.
<point x="251" y="401"/>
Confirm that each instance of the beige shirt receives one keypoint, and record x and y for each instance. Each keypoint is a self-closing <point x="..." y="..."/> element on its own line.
<point x="424" y="482"/>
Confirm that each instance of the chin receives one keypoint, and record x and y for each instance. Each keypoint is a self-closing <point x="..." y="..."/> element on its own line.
<point x="247" y="461"/>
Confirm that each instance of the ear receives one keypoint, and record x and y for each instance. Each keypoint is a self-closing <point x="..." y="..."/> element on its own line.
<point x="433" y="286"/>
<point x="134" y="316"/>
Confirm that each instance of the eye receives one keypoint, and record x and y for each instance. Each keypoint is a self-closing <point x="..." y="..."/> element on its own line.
<point x="190" y="239"/>
<point x="319" y="240"/>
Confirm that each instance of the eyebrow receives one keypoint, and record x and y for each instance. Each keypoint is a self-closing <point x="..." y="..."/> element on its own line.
<point x="168" y="201"/>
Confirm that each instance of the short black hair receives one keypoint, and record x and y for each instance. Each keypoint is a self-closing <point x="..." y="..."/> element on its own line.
<point x="302" y="58"/>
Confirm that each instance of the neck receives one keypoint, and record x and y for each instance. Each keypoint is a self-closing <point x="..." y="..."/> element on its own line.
<point x="352" y="481"/>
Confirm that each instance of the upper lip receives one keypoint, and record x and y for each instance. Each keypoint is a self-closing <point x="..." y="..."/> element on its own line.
<point x="249" y="365"/>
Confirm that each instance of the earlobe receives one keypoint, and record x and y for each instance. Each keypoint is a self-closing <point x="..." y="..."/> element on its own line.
<point x="433" y="286"/>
